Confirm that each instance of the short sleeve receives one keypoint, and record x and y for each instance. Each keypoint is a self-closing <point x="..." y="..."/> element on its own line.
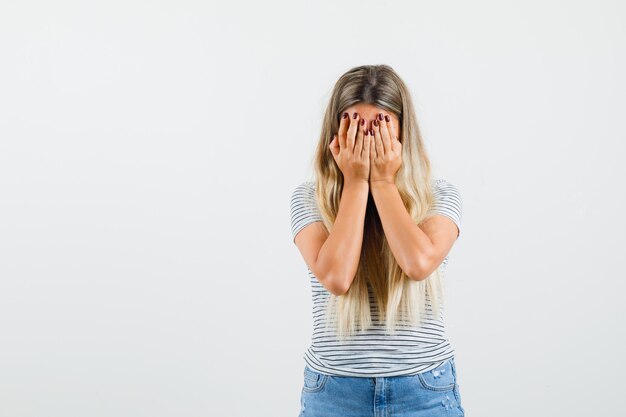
<point x="304" y="210"/>
<point x="448" y="202"/>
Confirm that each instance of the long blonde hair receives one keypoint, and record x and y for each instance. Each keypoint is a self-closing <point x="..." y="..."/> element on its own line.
<point x="399" y="299"/>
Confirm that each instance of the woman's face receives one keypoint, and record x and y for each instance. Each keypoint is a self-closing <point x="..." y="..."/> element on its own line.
<point x="369" y="112"/>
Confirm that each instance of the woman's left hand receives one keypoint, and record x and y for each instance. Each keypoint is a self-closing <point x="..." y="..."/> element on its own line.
<point x="385" y="151"/>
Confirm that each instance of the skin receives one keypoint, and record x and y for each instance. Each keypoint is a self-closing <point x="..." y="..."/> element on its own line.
<point x="369" y="165"/>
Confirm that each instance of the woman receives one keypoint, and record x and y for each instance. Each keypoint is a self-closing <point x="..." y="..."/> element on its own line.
<point x="375" y="230"/>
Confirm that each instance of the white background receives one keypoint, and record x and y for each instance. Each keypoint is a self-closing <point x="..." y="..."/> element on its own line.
<point x="148" y="151"/>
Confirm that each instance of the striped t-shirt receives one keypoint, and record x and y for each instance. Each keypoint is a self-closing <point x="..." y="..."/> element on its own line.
<point x="373" y="352"/>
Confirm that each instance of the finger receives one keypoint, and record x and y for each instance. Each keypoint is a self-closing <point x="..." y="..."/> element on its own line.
<point x="344" y="122"/>
<point x="396" y="145"/>
<point x="373" y="150"/>
<point x="367" y="145"/>
<point x="351" y="135"/>
<point x="384" y="132"/>
<point x="391" y="128"/>
<point x="380" y="147"/>
<point x="358" y="146"/>
<point x="334" y="145"/>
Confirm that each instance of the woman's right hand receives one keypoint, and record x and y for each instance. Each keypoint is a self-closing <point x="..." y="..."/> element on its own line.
<point x="351" y="148"/>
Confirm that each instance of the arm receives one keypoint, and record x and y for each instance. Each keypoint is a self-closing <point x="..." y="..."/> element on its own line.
<point x="333" y="258"/>
<point x="419" y="250"/>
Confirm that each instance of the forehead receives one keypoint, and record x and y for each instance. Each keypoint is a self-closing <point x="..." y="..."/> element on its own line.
<point x="369" y="111"/>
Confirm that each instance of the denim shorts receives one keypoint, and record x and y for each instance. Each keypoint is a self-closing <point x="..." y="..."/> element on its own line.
<point x="432" y="393"/>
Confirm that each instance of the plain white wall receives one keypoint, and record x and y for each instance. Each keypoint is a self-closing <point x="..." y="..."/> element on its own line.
<point x="147" y="155"/>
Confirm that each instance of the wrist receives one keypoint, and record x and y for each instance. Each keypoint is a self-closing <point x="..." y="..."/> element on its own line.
<point x="356" y="182"/>
<point x="382" y="182"/>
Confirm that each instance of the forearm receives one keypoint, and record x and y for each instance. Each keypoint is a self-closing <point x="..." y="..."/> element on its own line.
<point x="340" y="254"/>
<point x="408" y="243"/>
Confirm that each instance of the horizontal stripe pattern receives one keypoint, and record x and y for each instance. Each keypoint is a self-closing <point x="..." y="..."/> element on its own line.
<point x="447" y="202"/>
<point x="304" y="210"/>
<point x="373" y="352"/>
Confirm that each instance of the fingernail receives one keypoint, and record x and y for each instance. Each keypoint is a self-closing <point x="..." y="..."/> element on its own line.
<point x="345" y="115"/>
<point x="362" y="122"/>
<point x="380" y="116"/>
<point x="375" y="122"/>
<point x="366" y="133"/>
<point x="387" y="118"/>
<point x="372" y="132"/>
<point x="354" y="115"/>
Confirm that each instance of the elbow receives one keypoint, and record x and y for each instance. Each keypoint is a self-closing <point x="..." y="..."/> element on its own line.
<point x="331" y="280"/>
<point x="335" y="279"/>
<point x="339" y="292"/>
<point x="336" y="285"/>
<point x="416" y="274"/>
<point x="421" y="268"/>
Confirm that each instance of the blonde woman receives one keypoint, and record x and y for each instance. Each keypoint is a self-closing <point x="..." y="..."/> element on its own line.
<point x="375" y="230"/>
